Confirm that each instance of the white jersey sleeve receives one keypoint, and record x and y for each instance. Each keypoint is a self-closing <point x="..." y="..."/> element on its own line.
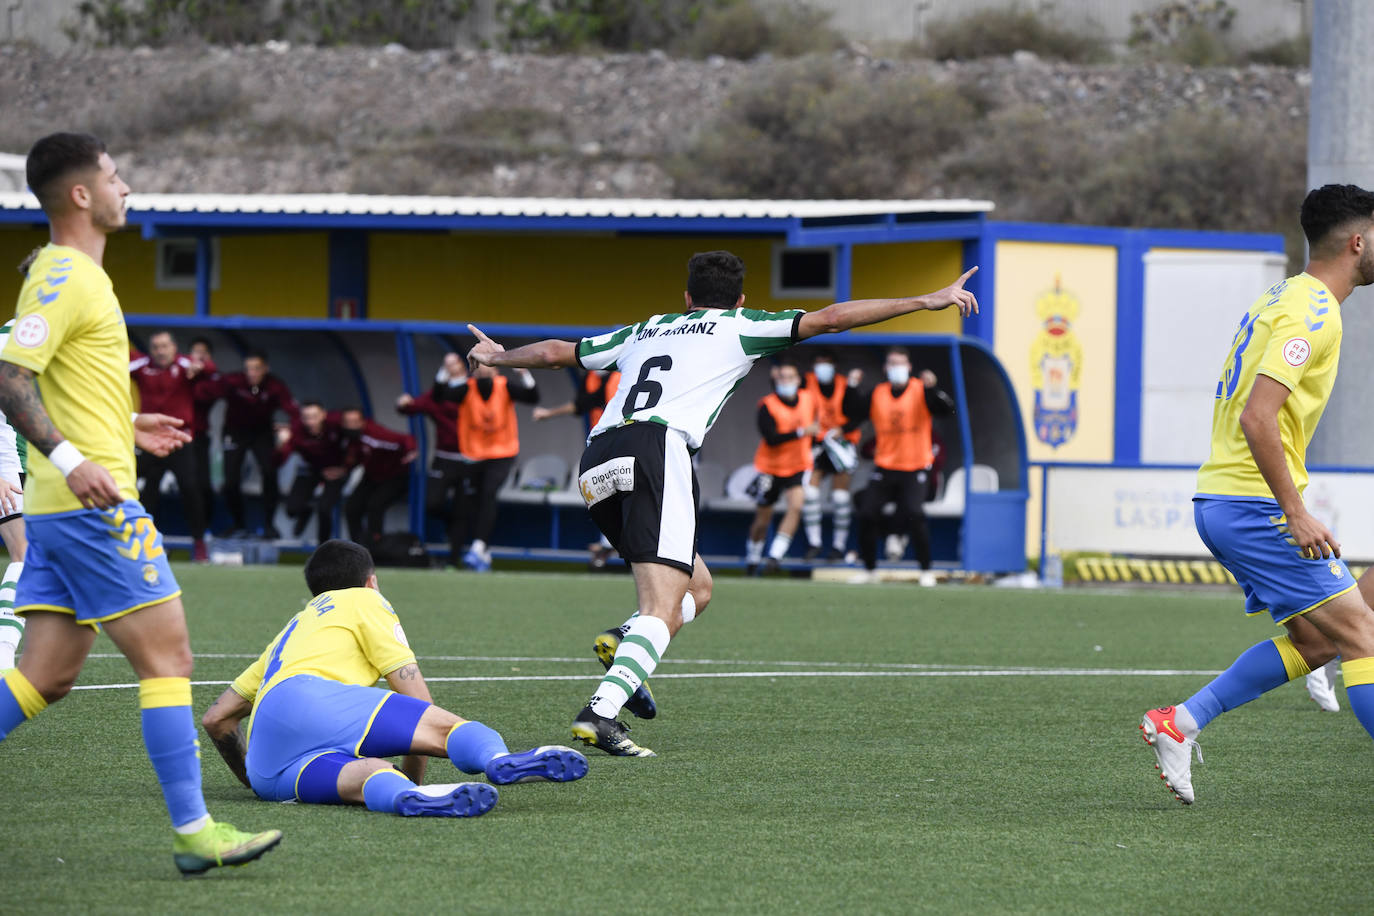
<point x="680" y="369"/>
<point x="602" y="351"/>
<point x="10" y="465"/>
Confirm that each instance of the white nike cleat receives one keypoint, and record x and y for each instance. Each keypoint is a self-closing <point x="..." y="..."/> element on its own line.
<point x="1173" y="751"/>
<point x="1321" y="686"/>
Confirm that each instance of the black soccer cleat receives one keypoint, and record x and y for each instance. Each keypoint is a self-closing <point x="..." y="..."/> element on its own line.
<point x="609" y="735"/>
<point x="641" y="703"/>
<point x="812" y="553"/>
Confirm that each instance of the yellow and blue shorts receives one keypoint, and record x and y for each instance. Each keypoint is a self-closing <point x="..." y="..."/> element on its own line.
<point x="1250" y="538"/>
<point x="94" y="564"/>
<point x="306" y="729"/>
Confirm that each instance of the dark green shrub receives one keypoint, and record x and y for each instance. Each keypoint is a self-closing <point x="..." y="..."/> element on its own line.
<point x="1192" y="32"/>
<point x="1203" y="169"/>
<point x="742" y="30"/>
<point x="806" y="129"/>
<point x="413" y="23"/>
<point x="999" y="32"/>
<point x="613" y="25"/>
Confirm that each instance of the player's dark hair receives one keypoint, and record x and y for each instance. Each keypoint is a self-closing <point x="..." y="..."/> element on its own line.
<point x="789" y="363"/>
<point x="338" y="564"/>
<point x="56" y="157"/>
<point x="160" y="331"/>
<point x="29" y="258"/>
<point x="897" y="351"/>
<point x="305" y="404"/>
<point x="202" y="340"/>
<point x="1332" y="207"/>
<point x="255" y="354"/>
<point x="822" y="354"/>
<point x="715" y="279"/>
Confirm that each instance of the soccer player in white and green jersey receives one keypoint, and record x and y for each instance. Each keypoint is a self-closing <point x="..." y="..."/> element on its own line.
<point x="636" y="475"/>
<point x="1274" y="385"/>
<point x="13" y="454"/>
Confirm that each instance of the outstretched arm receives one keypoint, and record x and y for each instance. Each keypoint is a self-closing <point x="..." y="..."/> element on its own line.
<point x="546" y="354"/>
<point x="841" y="316"/>
<point x="222" y="724"/>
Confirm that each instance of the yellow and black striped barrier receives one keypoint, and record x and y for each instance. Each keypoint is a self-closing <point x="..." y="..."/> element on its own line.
<point x="1138" y="569"/>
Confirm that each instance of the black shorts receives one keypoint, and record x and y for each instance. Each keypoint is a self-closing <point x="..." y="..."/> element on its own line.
<point x="638" y="484"/>
<point x="767" y="489"/>
<point x="824" y="465"/>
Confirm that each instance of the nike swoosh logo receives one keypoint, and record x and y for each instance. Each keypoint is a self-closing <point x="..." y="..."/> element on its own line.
<point x="1168" y="726"/>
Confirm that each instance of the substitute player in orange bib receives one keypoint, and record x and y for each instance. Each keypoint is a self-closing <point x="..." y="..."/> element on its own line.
<point x="788" y="421"/>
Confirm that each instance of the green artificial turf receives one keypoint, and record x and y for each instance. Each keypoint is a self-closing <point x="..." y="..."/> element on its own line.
<point x="960" y="787"/>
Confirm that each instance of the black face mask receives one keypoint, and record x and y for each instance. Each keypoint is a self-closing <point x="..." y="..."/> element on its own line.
<point x="351" y="433"/>
<point x="484" y="386"/>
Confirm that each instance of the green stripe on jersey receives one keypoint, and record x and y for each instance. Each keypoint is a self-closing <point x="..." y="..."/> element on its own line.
<point x="763" y="346"/>
<point x="761" y="315"/>
<point x="585" y="347"/>
<point x="715" y="413"/>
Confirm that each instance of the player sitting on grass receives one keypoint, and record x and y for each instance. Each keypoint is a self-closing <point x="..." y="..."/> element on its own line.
<point x="320" y="729"/>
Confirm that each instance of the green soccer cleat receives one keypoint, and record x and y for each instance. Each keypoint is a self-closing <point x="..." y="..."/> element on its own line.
<point x="641" y="703"/>
<point x="219" y="844"/>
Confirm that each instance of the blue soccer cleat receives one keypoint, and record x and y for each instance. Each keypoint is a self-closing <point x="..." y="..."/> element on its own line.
<point x="549" y="763"/>
<point x="463" y="799"/>
<point x="477" y="561"/>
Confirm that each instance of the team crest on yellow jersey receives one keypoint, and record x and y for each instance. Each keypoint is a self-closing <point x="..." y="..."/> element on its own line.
<point x="1056" y="359"/>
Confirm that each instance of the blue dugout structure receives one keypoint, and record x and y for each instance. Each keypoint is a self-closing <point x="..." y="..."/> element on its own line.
<point x="348" y="364"/>
<point x="356" y="298"/>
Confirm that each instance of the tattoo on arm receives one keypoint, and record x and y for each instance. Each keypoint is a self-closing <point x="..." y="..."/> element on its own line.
<point x="23" y="407"/>
<point x="230" y="747"/>
<point x="409" y="672"/>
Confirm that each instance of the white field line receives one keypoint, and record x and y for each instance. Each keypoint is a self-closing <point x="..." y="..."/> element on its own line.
<point x="965" y="672"/>
<point x="582" y="659"/>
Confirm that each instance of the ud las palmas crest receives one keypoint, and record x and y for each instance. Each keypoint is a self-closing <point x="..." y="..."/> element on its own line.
<point x="1056" y="365"/>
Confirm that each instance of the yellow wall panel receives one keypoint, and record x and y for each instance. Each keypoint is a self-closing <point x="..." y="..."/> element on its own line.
<point x="131" y="262"/>
<point x="281" y="275"/>
<point x="1056" y="336"/>
<point x="909" y="269"/>
<point x="537" y="279"/>
<point x="15" y="245"/>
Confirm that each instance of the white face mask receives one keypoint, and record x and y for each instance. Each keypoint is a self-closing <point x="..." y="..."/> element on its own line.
<point x="898" y="375"/>
<point x="825" y="373"/>
<point x="788" y="391"/>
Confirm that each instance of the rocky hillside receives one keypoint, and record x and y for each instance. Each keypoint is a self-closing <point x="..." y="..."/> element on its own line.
<point x="277" y="118"/>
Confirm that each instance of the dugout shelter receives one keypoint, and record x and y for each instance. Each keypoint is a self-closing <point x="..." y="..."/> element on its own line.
<point x="355" y="299"/>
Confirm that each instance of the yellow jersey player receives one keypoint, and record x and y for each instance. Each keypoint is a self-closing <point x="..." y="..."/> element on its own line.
<point x="94" y="557"/>
<point x="320" y="728"/>
<point x="1274" y="385"/>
